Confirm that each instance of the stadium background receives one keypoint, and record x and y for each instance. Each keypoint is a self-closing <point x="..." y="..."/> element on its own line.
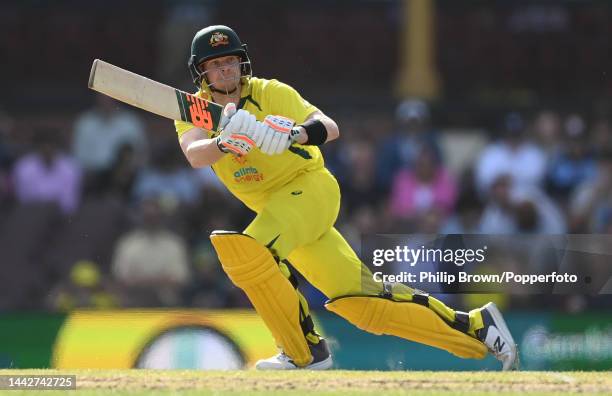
<point x="120" y="221"/>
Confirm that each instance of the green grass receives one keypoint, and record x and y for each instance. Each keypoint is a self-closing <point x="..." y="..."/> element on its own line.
<point x="309" y="383"/>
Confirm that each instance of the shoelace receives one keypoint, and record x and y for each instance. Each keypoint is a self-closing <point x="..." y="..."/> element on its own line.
<point x="282" y="356"/>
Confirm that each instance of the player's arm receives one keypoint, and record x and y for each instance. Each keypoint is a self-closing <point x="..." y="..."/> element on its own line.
<point x="234" y="138"/>
<point x="317" y="128"/>
<point x="199" y="150"/>
<point x="278" y="132"/>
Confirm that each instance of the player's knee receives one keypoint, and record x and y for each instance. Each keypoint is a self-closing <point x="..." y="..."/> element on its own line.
<point x="245" y="260"/>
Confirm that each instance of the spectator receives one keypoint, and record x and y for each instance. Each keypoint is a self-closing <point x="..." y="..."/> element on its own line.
<point x="362" y="221"/>
<point x="4" y="188"/>
<point x="101" y="132"/>
<point x="401" y="148"/>
<point x="6" y="154"/>
<point x="47" y="175"/>
<point x="592" y="200"/>
<point x="535" y="212"/>
<point x="547" y="131"/>
<point x="208" y="287"/>
<point x="152" y="258"/>
<point x="359" y="186"/>
<point x="515" y="209"/>
<point x="513" y="155"/>
<point x="601" y="133"/>
<point x="467" y="215"/>
<point x="86" y="287"/>
<point x="120" y="178"/>
<point x="168" y="178"/>
<point x="428" y="186"/>
<point x="605" y="226"/>
<point x="6" y="150"/>
<point x="498" y="217"/>
<point x="574" y="163"/>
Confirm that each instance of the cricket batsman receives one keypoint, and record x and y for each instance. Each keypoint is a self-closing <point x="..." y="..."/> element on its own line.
<point x="267" y="154"/>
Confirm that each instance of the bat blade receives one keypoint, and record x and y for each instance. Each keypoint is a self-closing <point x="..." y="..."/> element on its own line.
<point x="153" y="96"/>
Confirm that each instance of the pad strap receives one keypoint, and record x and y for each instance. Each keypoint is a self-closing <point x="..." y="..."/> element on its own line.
<point x="462" y="321"/>
<point x="305" y="320"/>
<point x="306" y="323"/>
<point x="421" y="298"/>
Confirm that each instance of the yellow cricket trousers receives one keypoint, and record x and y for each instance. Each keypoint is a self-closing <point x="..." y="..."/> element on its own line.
<point x="297" y="224"/>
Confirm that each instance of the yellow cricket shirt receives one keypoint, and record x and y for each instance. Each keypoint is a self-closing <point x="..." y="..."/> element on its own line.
<point x="252" y="177"/>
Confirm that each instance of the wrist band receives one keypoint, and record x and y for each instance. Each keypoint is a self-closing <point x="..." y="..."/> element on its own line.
<point x="316" y="132"/>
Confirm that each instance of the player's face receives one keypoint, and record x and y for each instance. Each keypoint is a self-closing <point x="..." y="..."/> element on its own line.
<point x="223" y="73"/>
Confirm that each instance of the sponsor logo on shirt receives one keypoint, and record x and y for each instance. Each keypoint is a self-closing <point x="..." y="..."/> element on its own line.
<point x="248" y="174"/>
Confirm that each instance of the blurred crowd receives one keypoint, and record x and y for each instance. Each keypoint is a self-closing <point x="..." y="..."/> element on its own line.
<point x="106" y="214"/>
<point x="98" y="208"/>
<point x="545" y="172"/>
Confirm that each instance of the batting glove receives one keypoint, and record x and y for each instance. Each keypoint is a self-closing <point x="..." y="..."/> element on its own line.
<point x="273" y="135"/>
<point x="238" y="122"/>
<point x="232" y="139"/>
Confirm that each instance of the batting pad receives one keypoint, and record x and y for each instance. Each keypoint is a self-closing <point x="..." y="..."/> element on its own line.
<point x="407" y="320"/>
<point x="252" y="268"/>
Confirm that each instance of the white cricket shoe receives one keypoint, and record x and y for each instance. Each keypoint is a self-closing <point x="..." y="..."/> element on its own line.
<point x="496" y="336"/>
<point x="321" y="360"/>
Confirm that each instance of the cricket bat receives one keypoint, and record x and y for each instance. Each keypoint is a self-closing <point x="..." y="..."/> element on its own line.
<point x="153" y="96"/>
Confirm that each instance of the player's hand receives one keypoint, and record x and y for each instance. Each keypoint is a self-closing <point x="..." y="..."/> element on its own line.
<point x="273" y="135"/>
<point x="228" y="111"/>
<point x="233" y="142"/>
<point x="238" y="121"/>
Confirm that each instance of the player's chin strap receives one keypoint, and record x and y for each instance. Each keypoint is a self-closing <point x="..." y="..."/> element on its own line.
<point x="226" y="92"/>
<point x="416" y="317"/>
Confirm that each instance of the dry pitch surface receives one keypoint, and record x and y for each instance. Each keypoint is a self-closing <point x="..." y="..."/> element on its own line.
<point x="147" y="382"/>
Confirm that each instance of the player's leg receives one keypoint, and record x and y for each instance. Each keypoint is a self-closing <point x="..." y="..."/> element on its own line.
<point x="296" y="214"/>
<point x="252" y="268"/>
<point x="321" y="356"/>
<point x="331" y="265"/>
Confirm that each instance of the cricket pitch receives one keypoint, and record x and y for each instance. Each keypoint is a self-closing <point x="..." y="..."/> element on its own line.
<point x="189" y="382"/>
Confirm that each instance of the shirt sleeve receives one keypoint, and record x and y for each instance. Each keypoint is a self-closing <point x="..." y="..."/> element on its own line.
<point x="287" y="102"/>
<point x="182" y="127"/>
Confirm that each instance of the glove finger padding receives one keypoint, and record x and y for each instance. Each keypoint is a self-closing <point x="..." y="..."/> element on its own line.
<point x="277" y="136"/>
<point x="228" y="111"/>
<point x="267" y="141"/>
<point x="284" y="144"/>
<point x="250" y="126"/>
<point x="237" y="122"/>
<point x="276" y="139"/>
<point x="260" y="133"/>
